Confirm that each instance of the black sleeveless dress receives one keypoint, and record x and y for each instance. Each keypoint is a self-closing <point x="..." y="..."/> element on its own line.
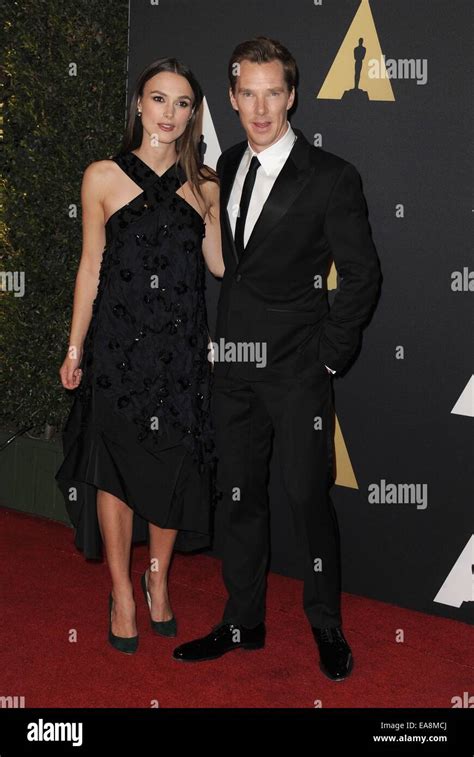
<point x="140" y="425"/>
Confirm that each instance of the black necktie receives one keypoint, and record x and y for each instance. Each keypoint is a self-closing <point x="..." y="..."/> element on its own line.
<point x="244" y="204"/>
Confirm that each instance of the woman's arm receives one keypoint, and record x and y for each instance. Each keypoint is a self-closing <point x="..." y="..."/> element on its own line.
<point x="211" y="244"/>
<point x="87" y="279"/>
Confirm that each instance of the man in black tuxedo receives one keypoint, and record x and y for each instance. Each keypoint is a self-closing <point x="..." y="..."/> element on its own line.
<point x="287" y="210"/>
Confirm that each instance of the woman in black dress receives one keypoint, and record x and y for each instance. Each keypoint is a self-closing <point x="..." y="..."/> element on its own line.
<point x="138" y="444"/>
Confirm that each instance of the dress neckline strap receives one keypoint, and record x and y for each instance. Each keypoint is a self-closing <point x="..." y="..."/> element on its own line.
<point x="143" y="175"/>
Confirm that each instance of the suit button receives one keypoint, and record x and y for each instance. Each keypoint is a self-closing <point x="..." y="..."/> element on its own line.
<point x="238" y="276"/>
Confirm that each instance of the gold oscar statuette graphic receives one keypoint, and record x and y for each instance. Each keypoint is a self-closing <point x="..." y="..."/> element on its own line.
<point x="344" y="471"/>
<point x="358" y="71"/>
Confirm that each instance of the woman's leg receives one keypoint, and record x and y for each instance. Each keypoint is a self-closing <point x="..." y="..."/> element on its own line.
<point x="115" y="521"/>
<point x="161" y="549"/>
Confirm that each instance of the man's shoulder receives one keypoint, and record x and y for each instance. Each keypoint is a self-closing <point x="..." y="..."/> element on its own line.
<point x="231" y="152"/>
<point x="326" y="161"/>
<point x="233" y="149"/>
<point x="322" y="159"/>
<point x="329" y="159"/>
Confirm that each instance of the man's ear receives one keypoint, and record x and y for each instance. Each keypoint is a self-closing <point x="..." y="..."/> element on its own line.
<point x="291" y="98"/>
<point x="232" y="99"/>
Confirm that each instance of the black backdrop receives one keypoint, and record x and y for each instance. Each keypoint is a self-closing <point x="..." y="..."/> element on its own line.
<point x="413" y="152"/>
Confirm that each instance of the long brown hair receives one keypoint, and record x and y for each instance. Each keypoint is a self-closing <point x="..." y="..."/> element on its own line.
<point x="187" y="145"/>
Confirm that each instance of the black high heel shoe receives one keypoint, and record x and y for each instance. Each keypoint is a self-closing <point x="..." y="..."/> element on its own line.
<point x="129" y="644"/>
<point x="161" y="627"/>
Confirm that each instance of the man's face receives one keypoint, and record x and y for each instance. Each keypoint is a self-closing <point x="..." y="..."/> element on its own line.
<point x="262" y="100"/>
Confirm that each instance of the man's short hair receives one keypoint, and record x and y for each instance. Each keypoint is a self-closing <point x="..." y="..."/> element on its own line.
<point x="263" y="50"/>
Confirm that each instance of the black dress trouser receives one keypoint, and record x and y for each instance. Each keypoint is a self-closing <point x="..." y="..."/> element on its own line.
<point x="297" y="414"/>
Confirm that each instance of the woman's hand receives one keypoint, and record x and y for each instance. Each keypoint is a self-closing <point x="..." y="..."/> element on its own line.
<point x="70" y="372"/>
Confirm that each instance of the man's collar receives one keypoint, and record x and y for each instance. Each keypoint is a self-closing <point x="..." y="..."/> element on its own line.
<point x="269" y="155"/>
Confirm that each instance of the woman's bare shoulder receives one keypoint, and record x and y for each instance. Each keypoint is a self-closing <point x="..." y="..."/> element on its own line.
<point x="100" y="170"/>
<point x="100" y="177"/>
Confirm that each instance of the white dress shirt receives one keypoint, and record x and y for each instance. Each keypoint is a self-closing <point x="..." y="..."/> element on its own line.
<point x="272" y="160"/>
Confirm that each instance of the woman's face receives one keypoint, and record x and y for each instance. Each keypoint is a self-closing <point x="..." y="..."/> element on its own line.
<point x="166" y="106"/>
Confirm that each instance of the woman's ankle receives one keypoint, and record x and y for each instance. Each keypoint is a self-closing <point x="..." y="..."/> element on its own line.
<point x="157" y="580"/>
<point x="122" y="592"/>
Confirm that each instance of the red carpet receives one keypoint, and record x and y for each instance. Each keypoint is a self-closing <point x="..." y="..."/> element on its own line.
<point x="49" y="591"/>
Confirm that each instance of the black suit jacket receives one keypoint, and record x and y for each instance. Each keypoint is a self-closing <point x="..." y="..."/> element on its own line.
<point x="276" y="294"/>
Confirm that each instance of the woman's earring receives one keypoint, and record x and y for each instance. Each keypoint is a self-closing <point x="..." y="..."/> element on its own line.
<point x="139" y="113"/>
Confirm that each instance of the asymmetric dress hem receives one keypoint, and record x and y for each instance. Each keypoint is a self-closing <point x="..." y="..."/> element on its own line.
<point x="140" y="425"/>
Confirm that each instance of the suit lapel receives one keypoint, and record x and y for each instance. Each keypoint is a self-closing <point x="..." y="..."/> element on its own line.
<point x="294" y="175"/>
<point x="291" y="180"/>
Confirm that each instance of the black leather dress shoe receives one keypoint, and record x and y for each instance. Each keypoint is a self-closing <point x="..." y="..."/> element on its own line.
<point x="335" y="656"/>
<point x="223" y="638"/>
